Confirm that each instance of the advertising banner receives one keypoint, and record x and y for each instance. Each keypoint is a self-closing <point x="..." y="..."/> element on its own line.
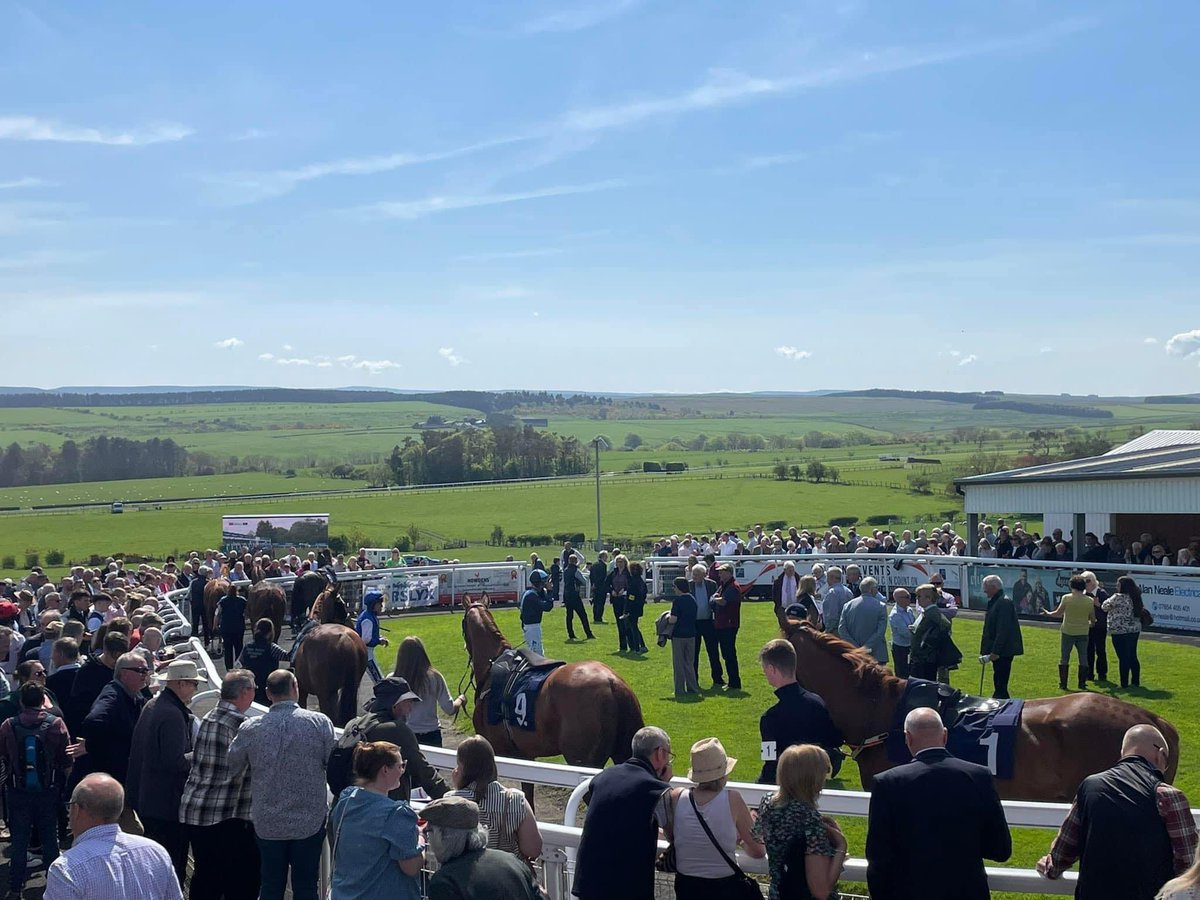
<point x="268" y="532"/>
<point x="1174" y="602"/>
<point x="410" y="592"/>
<point x="503" y="584"/>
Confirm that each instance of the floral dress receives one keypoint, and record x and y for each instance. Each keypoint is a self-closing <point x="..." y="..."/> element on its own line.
<point x="779" y="824"/>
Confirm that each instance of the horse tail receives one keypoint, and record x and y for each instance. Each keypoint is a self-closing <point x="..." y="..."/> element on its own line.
<point x="1172" y="737"/>
<point x="348" y="696"/>
<point x="629" y="720"/>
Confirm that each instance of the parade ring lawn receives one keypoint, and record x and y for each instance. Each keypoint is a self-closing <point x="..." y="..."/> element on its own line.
<point x="1170" y="678"/>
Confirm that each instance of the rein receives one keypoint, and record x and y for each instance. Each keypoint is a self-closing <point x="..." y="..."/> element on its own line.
<point x="875" y="740"/>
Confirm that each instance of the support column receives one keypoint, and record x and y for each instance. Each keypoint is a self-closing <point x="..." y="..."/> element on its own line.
<point x="972" y="533"/>
<point x="1077" y="537"/>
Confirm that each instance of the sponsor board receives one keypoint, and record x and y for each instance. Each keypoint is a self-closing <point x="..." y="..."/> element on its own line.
<point x="1174" y="602"/>
<point x="1033" y="590"/>
<point x="503" y="584"/>
<point x="270" y="531"/>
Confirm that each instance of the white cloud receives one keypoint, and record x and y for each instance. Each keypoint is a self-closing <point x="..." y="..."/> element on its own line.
<point x="954" y="352"/>
<point x="41" y="259"/>
<point x="254" y="186"/>
<point x="1185" y="344"/>
<point x="287" y="347"/>
<point x="292" y="361"/>
<point x="347" y="359"/>
<point x="579" y="18"/>
<point x="1149" y="340"/>
<point x="416" y="209"/>
<point x="967" y="360"/>
<point x="266" y="357"/>
<point x="30" y="128"/>
<point x="792" y="353"/>
<point x="448" y="354"/>
<point x="26" y="182"/>
<point x="229" y="343"/>
<point x="1046" y="350"/>
<point x="508" y="292"/>
<point x="250" y="134"/>
<point x="325" y="364"/>
<point x="374" y="366"/>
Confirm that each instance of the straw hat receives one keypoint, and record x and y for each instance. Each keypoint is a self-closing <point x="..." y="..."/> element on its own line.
<point x="709" y="761"/>
<point x="181" y="670"/>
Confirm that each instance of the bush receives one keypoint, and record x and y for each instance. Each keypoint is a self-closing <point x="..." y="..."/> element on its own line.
<point x="882" y="520"/>
<point x="652" y="467"/>
<point x="55" y="557"/>
<point x="843" y="520"/>
<point x="8" y="562"/>
<point x="31" y="558"/>
<point x="773" y="524"/>
<point x="576" y="538"/>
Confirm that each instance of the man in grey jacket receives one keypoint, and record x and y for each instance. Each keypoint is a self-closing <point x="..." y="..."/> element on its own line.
<point x="836" y="596"/>
<point x="864" y="621"/>
<point x="160" y="759"/>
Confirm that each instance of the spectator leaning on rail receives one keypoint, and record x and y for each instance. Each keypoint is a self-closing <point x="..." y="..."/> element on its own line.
<point x="104" y="863"/>
<point x="467" y="869"/>
<point x="620" y="834"/>
<point x="159" y="761"/>
<point x="1129" y="829"/>
<point x="864" y="621"/>
<point x="1001" y="639"/>
<point x="935" y="800"/>
<point x="215" y="806"/>
<point x="286" y="751"/>
<point x="505" y="811"/>
<point x="798" y="716"/>
<point x="377" y="851"/>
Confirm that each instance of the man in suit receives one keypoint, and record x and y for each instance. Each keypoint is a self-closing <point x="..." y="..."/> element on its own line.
<point x="864" y="621"/>
<point x="598" y="576"/>
<point x="933" y="801"/>
<point x="704" y="590"/>
<point x="1001" y="639"/>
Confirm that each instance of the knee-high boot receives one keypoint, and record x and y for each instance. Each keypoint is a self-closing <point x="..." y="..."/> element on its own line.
<point x="1063" y="671"/>
<point x="1083" y="677"/>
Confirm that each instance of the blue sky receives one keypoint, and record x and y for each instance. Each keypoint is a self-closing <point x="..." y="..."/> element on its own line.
<point x="611" y="195"/>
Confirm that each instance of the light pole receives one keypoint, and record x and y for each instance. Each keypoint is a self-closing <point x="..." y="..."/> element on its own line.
<point x="598" y="442"/>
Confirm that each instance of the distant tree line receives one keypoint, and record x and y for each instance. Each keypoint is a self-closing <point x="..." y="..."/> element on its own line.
<point x="486" y="454"/>
<point x="96" y="459"/>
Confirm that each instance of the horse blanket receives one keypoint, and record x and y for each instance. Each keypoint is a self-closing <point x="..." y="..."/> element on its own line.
<point x="981" y="730"/>
<point x="517" y="678"/>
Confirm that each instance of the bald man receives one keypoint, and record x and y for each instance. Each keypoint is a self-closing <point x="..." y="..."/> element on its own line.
<point x="1130" y="830"/>
<point x="940" y="803"/>
<point x="105" y="861"/>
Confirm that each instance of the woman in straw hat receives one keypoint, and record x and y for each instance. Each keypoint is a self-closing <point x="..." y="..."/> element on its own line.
<point x="701" y="868"/>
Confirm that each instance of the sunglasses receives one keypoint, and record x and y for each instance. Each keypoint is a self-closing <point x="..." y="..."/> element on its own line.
<point x="141" y="670"/>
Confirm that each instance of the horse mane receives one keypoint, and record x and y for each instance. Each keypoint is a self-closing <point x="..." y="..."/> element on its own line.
<point x="488" y="621"/>
<point x="870" y="678"/>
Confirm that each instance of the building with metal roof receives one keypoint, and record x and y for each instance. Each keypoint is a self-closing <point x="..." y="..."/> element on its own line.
<point x="1150" y="485"/>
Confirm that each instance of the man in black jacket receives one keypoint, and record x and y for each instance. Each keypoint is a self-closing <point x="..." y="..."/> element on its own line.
<point x="620" y="834"/>
<point x="799" y="716"/>
<point x="384" y="721"/>
<point x="703" y="589"/>
<point x="933" y="801"/>
<point x="95" y="673"/>
<point x="160" y="758"/>
<point x="598" y="576"/>
<point x="106" y="736"/>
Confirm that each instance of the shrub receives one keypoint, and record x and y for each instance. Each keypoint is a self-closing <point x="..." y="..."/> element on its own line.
<point x="843" y="520"/>
<point x="8" y="562"/>
<point x="773" y="524"/>
<point x="55" y="557"/>
<point x="882" y="520"/>
<point x="31" y="558"/>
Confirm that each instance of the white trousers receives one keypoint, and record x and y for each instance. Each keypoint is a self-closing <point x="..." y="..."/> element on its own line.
<point x="533" y="638"/>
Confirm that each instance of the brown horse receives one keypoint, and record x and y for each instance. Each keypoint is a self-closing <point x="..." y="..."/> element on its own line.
<point x="267" y="601"/>
<point x="214" y="590"/>
<point x="585" y="711"/>
<point x="1060" y="742"/>
<point x="329" y="608"/>
<point x="330" y="663"/>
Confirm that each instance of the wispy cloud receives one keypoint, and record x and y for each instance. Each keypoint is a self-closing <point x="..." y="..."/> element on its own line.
<point x="1185" y="344"/>
<point x="1046" y="350"/>
<point x="19" y="183"/>
<point x="967" y="360"/>
<point x="374" y="366"/>
<point x="255" y="186"/>
<point x="292" y="361"/>
<point x="507" y="292"/>
<point x="792" y="353"/>
<point x="417" y="209"/>
<point x="30" y="128"/>
<point x="347" y="359"/>
<point x="250" y="134"/>
<point x="448" y="354"/>
<point x="229" y="343"/>
<point x="266" y="357"/>
<point x="1150" y="340"/>
<point x="725" y="87"/>
<point x="501" y="255"/>
<point x="42" y="259"/>
<point x="578" y="18"/>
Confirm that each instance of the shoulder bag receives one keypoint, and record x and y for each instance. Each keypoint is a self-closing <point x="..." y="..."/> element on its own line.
<point x="333" y="842"/>
<point x="666" y="860"/>
<point x="748" y="888"/>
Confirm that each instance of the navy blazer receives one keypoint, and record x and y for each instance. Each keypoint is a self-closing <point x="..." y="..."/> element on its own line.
<point x="932" y="823"/>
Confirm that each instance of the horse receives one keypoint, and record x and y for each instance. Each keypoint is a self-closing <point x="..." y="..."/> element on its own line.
<point x="330" y="663"/>
<point x="585" y="711"/>
<point x="1060" y="741"/>
<point x="329" y="608"/>
<point x="214" y="590"/>
<point x="305" y="590"/>
<point x="267" y="601"/>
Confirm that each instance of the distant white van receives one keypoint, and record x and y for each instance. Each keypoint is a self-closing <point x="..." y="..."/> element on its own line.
<point x="118" y="507"/>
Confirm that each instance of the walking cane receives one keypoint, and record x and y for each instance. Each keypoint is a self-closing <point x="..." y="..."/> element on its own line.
<point x="983" y="661"/>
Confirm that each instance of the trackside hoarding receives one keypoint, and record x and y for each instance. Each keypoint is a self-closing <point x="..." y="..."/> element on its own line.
<point x="268" y="532"/>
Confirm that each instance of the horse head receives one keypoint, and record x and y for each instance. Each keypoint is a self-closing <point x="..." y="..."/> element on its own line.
<point x="330" y="608"/>
<point x="483" y="639"/>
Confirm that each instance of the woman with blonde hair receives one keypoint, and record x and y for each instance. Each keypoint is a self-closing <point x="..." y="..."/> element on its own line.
<point x="1185" y="887"/>
<point x="510" y="822"/>
<point x="413" y="665"/>
<point x="805" y="850"/>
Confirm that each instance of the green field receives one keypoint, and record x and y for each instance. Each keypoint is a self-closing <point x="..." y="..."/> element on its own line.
<point x="1170" y="673"/>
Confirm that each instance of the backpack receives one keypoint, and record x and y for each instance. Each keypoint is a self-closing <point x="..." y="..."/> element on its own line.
<point x="34" y="771"/>
<point x="339" y="771"/>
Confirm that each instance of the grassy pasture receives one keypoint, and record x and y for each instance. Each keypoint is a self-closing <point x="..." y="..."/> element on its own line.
<point x="1171" y="675"/>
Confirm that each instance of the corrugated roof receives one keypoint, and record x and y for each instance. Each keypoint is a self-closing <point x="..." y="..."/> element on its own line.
<point x="1152" y="440"/>
<point x="1163" y="462"/>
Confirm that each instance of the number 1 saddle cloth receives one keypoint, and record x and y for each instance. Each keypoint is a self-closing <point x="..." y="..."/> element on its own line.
<point x="980" y="730"/>
<point x="516" y="679"/>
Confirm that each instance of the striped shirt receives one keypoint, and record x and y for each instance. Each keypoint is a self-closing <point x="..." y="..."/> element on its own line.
<point x="107" y="864"/>
<point x="502" y="810"/>
<point x="212" y="793"/>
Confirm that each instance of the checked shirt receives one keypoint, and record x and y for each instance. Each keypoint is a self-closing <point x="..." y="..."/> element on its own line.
<point x="213" y="794"/>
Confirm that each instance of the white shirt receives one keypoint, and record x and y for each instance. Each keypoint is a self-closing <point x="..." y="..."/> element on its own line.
<point x="729" y="547"/>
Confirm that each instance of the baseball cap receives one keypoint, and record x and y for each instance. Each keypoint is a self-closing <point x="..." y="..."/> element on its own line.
<point x="389" y="692"/>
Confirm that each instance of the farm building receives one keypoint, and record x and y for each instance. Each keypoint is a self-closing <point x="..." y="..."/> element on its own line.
<point x="1151" y="484"/>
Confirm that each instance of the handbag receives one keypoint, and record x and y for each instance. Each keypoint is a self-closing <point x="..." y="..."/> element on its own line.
<point x="1146" y="618"/>
<point x="665" y="862"/>
<point x="748" y="888"/>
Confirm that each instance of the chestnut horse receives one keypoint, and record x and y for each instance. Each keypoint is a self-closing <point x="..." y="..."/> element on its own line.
<point x="585" y="711"/>
<point x="214" y="590"/>
<point x="1061" y="740"/>
<point x="331" y="660"/>
<point x="267" y="601"/>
